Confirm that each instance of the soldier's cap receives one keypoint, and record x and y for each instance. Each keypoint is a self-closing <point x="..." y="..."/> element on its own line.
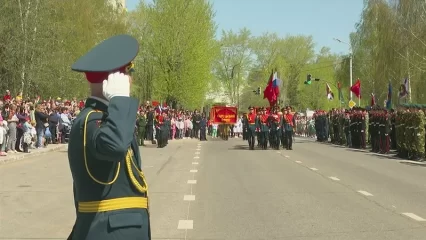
<point x="115" y="54"/>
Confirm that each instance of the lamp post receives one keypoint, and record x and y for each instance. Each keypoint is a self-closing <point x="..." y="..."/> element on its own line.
<point x="350" y="63"/>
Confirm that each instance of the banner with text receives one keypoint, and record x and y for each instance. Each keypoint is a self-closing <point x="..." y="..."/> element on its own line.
<point x="223" y="114"/>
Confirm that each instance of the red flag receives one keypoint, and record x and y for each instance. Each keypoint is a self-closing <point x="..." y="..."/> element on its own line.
<point x="356" y="88"/>
<point x="373" y="100"/>
<point x="270" y="91"/>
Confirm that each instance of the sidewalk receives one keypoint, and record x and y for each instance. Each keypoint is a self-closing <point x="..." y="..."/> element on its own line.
<point x="11" y="157"/>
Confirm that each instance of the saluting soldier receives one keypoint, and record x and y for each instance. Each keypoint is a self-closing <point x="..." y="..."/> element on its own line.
<point x="110" y="189"/>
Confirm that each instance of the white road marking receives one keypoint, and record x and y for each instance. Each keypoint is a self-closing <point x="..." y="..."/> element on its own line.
<point x="196" y="157"/>
<point x="192" y="182"/>
<point x="414" y="216"/>
<point x="286" y="156"/>
<point x="334" y="178"/>
<point x="198" y="149"/>
<point x="196" y="153"/>
<point x="314" y="169"/>
<point x="185" y="224"/>
<point x="148" y="167"/>
<point x="365" y="193"/>
<point x="194" y="163"/>
<point x="279" y="152"/>
<point x="193" y="170"/>
<point x="298" y="161"/>
<point x="189" y="198"/>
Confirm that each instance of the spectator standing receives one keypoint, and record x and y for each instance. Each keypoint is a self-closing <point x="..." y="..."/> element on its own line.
<point x="12" y="123"/>
<point x="41" y="122"/>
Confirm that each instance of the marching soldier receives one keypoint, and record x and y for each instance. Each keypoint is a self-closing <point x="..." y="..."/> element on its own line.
<point x="274" y="122"/>
<point x="289" y="125"/>
<point x="283" y="134"/>
<point x="108" y="206"/>
<point x="251" y="127"/>
<point x="264" y="129"/>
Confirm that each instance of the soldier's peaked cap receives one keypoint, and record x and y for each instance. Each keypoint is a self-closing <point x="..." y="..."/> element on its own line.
<point x="114" y="54"/>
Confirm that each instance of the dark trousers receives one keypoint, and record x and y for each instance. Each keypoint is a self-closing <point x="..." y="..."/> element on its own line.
<point x="289" y="138"/>
<point x="203" y="136"/>
<point x="196" y="131"/>
<point x="64" y="132"/>
<point x="149" y="133"/>
<point x="349" y="139"/>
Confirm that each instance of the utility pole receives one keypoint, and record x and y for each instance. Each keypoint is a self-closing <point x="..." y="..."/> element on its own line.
<point x="350" y="66"/>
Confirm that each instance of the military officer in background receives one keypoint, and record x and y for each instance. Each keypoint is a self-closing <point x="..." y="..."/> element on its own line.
<point x="110" y="189"/>
<point x="150" y="119"/>
<point x="141" y="126"/>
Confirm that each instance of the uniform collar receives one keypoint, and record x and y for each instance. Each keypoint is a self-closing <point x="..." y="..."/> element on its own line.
<point x="97" y="103"/>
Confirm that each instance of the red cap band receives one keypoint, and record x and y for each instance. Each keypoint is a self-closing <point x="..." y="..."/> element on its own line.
<point x="99" y="77"/>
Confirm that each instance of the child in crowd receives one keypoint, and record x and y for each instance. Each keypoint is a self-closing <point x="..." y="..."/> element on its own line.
<point x="214" y="130"/>
<point x="28" y="137"/>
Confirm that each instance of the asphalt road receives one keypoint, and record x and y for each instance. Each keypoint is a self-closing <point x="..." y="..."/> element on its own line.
<point x="220" y="190"/>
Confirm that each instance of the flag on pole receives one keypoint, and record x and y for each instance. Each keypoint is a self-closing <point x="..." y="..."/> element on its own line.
<point x="389" y="99"/>
<point x="272" y="90"/>
<point x="373" y="100"/>
<point x="330" y="95"/>
<point x="356" y="88"/>
<point x="404" y="88"/>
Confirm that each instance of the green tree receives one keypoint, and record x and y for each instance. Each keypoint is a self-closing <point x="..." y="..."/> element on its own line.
<point x="179" y="46"/>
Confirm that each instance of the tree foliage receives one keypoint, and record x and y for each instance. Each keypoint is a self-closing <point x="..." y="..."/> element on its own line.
<point x="178" y="50"/>
<point x="181" y="61"/>
<point x="388" y="46"/>
<point x="40" y="39"/>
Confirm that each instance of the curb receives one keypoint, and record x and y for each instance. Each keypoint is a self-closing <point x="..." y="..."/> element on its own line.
<point x="409" y="162"/>
<point x="21" y="156"/>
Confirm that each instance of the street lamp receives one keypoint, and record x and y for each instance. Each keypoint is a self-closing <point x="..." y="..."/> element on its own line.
<point x="350" y="62"/>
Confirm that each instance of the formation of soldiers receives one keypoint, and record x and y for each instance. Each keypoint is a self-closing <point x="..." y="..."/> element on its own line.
<point x="380" y="129"/>
<point x="273" y="128"/>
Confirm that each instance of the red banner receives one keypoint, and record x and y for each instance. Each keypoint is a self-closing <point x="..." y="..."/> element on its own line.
<point x="222" y="114"/>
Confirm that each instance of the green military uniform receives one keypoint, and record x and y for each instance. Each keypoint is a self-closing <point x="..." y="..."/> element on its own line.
<point x="141" y="124"/>
<point x="110" y="190"/>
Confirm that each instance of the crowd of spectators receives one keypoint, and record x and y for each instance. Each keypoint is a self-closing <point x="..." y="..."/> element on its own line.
<point x="33" y="122"/>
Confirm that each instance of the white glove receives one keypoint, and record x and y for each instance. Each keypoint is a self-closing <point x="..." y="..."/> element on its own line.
<point x="117" y="84"/>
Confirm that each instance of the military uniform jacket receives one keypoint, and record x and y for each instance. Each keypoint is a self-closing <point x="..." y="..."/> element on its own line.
<point x="141" y="123"/>
<point x="105" y="163"/>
